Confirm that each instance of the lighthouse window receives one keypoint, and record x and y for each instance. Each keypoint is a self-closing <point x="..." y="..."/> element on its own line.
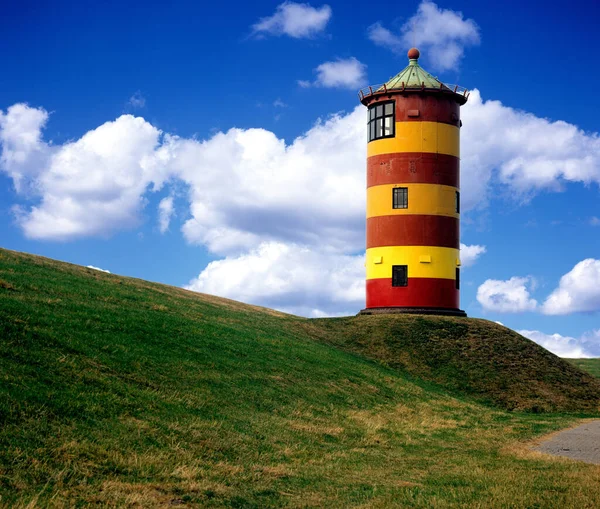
<point x="381" y="120"/>
<point x="457" y="202"/>
<point x="399" y="275"/>
<point x="458" y="279"/>
<point x="400" y="197"/>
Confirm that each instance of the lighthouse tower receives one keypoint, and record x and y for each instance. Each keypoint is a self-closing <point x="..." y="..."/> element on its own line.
<point x="413" y="193"/>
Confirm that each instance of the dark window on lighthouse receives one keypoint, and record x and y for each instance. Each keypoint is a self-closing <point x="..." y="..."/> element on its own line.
<point x="458" y="279"/>
<point x="457" y="202"/>
<point x="400" y="197"/>
<point x="380" y="122"/>
<point x="399" y="275"/>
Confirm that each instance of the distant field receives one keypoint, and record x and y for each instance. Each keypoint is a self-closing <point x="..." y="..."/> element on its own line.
<point x="117" y="392"/>
<point x="592" y="366"/>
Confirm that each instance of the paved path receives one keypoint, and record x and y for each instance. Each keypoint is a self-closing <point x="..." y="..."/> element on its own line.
<point x="581" y="443"/>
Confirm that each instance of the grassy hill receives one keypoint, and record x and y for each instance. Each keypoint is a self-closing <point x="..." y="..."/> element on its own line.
<point x="468" y="356"/>
<point x="119" y="392"/>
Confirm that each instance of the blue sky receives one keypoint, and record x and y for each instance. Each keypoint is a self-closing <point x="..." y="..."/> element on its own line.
<point x="151" y="140"/>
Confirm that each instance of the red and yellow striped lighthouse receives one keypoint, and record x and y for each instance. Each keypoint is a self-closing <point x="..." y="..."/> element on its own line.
<point x="413" y="193"/>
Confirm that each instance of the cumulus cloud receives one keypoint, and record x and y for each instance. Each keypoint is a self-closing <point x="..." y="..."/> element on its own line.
<point x="289" y="277"/>
<point x="442" y="34"/>
<point x="578" y="290"/>
<point x="295" y="20"/>
<point x="587" y="346"/>
<point x="528" y="153"/>
<point x="89" y="187"/>
<point x="98" y="268"/>
<point x="348" y="73"/>
<point x="510" y="296"/>
<point x="23" y="151"/>
<point x="165" y="212"/>
<point x="62" y="173"/>
<point x="470" y="254"/>
<point x="248" y="186"/>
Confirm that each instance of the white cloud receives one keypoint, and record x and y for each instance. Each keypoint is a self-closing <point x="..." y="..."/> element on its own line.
<point x="90" y="187"/>
<point x="23" y="151"/>
<point x="578" y="290"/>
<point x="347" y="73"/>
<point x="470" y="254"/>
<point x="510" y="296"/>
<point x="587" y="346"/>
<point x="98" y="268"/>
<point x="289" y="277"/>
<point x="442" y="34"/>
<point x="248" y="186"/>
<point x="528" y="153"/>
<point x="278" y="103"/>
<point x="165" y="212"/>
<point x="295" y="20"/>
<point x="595" y="221"/>
<point x="137" y="100"/>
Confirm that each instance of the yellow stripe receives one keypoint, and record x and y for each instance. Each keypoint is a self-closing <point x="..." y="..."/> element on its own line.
<point x="427" y="199"/>
<point x="379" y="261"/>
<point x="419" y="137"/>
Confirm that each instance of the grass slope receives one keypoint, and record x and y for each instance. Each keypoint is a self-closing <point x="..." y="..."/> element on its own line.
<point x="118" y="392"/>
<point x="592" y="366"/>
<point x="469" y="356"/>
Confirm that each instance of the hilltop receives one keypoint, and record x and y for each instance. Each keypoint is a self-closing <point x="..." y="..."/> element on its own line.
<point x="117" y="391"/>
<point x="474" y="357"/>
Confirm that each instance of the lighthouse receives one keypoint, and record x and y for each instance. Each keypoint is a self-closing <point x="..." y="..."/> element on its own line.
<point x="413" y="193"/>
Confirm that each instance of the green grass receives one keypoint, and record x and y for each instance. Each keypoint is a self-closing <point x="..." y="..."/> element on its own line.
<point x="118" y="392"/>
<point x="592" y="366"/>
<point x="473" y="357"/>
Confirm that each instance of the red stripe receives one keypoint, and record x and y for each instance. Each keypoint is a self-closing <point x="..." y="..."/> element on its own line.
<point x="413" y="230"/>
<point x="430" y="107"/>
<point x="413" y="167"/>
<point x="420" y="292"/>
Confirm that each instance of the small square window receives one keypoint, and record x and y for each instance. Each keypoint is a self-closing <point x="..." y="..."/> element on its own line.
<point x="389" y="108"/>
<point x="458" y="279"/>
<point x="399" y="275"/>
<point x="400" y="197"/>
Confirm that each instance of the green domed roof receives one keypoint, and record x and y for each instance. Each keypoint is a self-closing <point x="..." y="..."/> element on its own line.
<point x="414" y="76"/>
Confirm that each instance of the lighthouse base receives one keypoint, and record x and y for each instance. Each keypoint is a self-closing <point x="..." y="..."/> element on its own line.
<point x="413" y="311"/>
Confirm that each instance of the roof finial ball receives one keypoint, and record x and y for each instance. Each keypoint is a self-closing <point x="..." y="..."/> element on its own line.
<point x="413" y="54"/>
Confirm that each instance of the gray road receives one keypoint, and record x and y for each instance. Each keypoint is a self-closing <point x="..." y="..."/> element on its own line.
<point x="581" y="443"/>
